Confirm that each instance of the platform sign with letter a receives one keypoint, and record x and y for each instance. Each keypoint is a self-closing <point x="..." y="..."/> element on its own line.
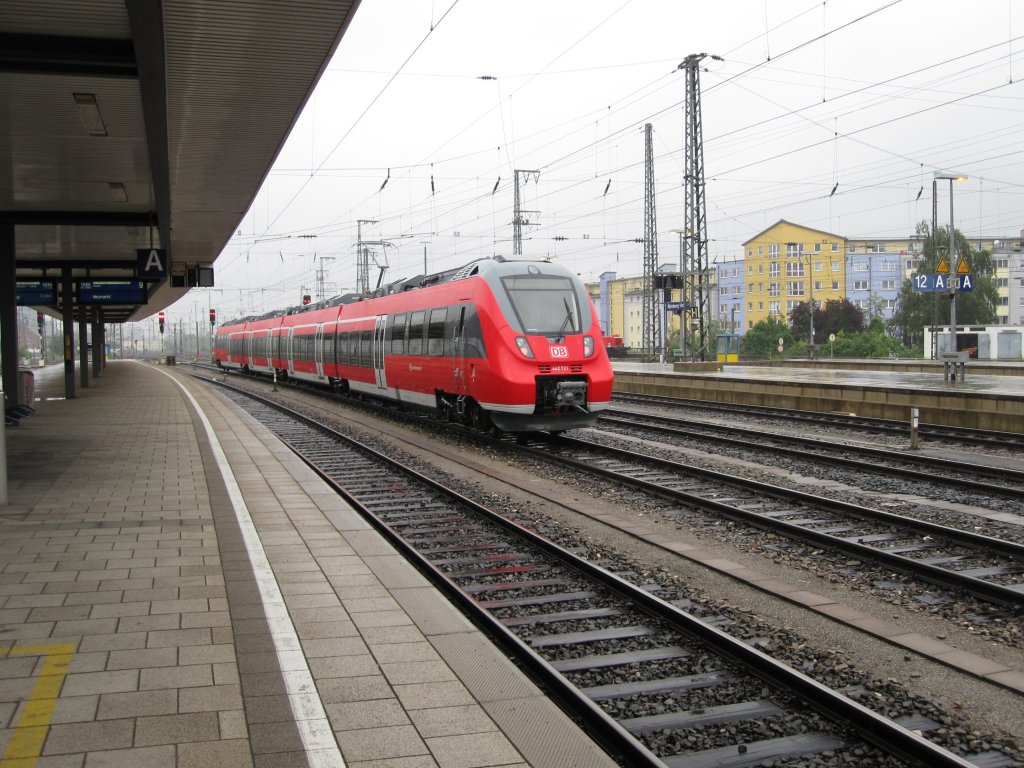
<point x="151" y="263"/>
<point x="941" y="283"/>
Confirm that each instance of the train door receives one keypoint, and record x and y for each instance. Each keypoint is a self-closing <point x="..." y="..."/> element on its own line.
<point x="318" y="350"/>
<point x="377" y="351"/>
<point x="458" y="351"/>
<point x="290" y="351"/>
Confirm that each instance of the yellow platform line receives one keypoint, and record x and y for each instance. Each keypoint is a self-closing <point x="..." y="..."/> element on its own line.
<point x="30" y="731"/>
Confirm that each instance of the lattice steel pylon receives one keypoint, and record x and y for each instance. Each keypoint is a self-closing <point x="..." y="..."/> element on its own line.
<point x="362" y="258"/>
<point x="651" y="313"/>
<point x="521" y="218"/>
<point x="695" y="212"/>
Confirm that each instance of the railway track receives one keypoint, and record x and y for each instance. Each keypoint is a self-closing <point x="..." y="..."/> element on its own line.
<point x="962" y="475"/>
<point x="853" y="422"/>
<point x="656" y="685"/>
<point x="988" y="568"/>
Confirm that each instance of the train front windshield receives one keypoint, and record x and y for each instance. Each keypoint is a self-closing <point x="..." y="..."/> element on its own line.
<point x="545" y="305"/>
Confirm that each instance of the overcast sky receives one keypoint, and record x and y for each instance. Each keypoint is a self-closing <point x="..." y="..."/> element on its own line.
<point x="872" y="95"/>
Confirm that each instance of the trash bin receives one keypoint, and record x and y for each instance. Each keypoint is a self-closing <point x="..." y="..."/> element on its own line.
<point x="26" y="387"/>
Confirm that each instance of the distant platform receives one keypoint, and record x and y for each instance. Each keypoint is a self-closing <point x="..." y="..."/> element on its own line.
<point x="980" y="401"/>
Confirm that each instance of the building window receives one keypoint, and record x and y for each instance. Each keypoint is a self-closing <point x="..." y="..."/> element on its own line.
<point x="773" y="308"/>
<point x="773" y="251"/>
<point x="760" y="269"/>
<point x="888" y="285"/>
<point x="760" y="306"/>
<point x="795" y="288"/>
<point x="910" y="264"/>
<point x="835" y="285"/>
<point x="773" y="289"/>
<point x="795" y="269"/>
<point x="760" y="251"/>
<point x="1002" y="301"/>
<point x="751" y="288"/>
<point x="879" y="248"/>
<point x="851" y="248"/>
<point x="860" y="285"/>
<point x="750" y="251"/>
<point x="750" y="270"/>
<point x="888" y="266"/>
<point x="817" y="247"/>
<point x="773" y="270"/>
<point x="793" y="250"/>
<point x="1002" y="263"/>
<point x="819" y="266"/>
<point x="835" y="266"/>
<point x="817" y="285"/>
<point x="860" y="266"/>
<point x="835" y="247"/>
<point x="890" y="303"/>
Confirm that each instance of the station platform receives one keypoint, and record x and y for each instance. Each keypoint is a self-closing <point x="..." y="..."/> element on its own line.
<point x="980" y="401"/>
<point x="178" y="590"/>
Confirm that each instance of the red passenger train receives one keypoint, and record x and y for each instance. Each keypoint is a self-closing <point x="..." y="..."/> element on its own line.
<point x="513" y="345"/>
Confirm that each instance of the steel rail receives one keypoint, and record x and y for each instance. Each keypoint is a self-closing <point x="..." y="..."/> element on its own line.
<point x="873" y="727"/>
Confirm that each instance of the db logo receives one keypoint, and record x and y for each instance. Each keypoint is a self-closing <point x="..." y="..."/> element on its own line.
<point x="559" y="351"/>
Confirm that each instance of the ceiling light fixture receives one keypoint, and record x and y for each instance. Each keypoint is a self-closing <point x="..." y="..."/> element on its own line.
<point x="89" y="114"/>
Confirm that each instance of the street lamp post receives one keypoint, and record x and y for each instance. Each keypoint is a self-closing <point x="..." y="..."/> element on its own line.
<point x="810" y="285"/>
<point x="951" y="177"/>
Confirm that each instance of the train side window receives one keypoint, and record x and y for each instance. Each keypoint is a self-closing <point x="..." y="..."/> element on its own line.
<point x="397" y="334"/>
<point x="453" y="331"/>
<point x="353" y="348"/>
<point x="365" y="339"/>
<point x="416" y="333"/>
<point x="435" y="331"/>
<point x="473" y="335"/>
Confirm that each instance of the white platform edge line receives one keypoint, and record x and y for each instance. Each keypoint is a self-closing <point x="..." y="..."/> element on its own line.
<point x="307" y="708"/>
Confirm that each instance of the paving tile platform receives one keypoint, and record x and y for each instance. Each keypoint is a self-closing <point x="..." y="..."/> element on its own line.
<point x="177" y="590"/>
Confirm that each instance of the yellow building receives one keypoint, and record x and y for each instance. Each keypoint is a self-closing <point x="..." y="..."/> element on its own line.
<point x="788" y="264"/>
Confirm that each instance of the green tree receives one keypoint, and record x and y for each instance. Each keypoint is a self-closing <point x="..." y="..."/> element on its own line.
<point x="835" y="316"/>
<point x="915" y="310"/>
<point x="763" y="338"/>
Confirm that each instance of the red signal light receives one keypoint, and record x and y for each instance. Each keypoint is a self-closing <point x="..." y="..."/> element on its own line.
<point x="160" y="318"/>
<point x="213" y="317"/>
<point x="306" y="298"/>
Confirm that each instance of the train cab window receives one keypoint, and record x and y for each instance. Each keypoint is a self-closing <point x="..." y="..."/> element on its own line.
<point x="435" y="331"/>
<point x="544" y="304"/>
<point x="416" y="327"/>
<point x="396" y="334"/>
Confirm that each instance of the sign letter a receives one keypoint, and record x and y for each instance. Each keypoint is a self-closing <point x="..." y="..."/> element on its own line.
<point x="153" y="263"/>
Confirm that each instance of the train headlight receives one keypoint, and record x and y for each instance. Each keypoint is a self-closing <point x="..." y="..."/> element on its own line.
<point x="524" y="347"/>
<point x="588" y="346"/>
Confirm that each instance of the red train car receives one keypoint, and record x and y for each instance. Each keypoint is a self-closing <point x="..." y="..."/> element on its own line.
<point x="513" y="345"/>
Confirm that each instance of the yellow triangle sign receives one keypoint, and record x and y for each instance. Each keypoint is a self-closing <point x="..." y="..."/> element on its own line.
<point x="962" y="268"/>
<point x="943" y="268"/>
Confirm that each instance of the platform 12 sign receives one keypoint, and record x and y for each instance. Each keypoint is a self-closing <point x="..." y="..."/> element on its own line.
<point x="942" y="283"/>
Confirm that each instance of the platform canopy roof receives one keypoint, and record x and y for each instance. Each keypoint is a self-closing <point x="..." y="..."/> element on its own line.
<point x="139" y="124"/>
